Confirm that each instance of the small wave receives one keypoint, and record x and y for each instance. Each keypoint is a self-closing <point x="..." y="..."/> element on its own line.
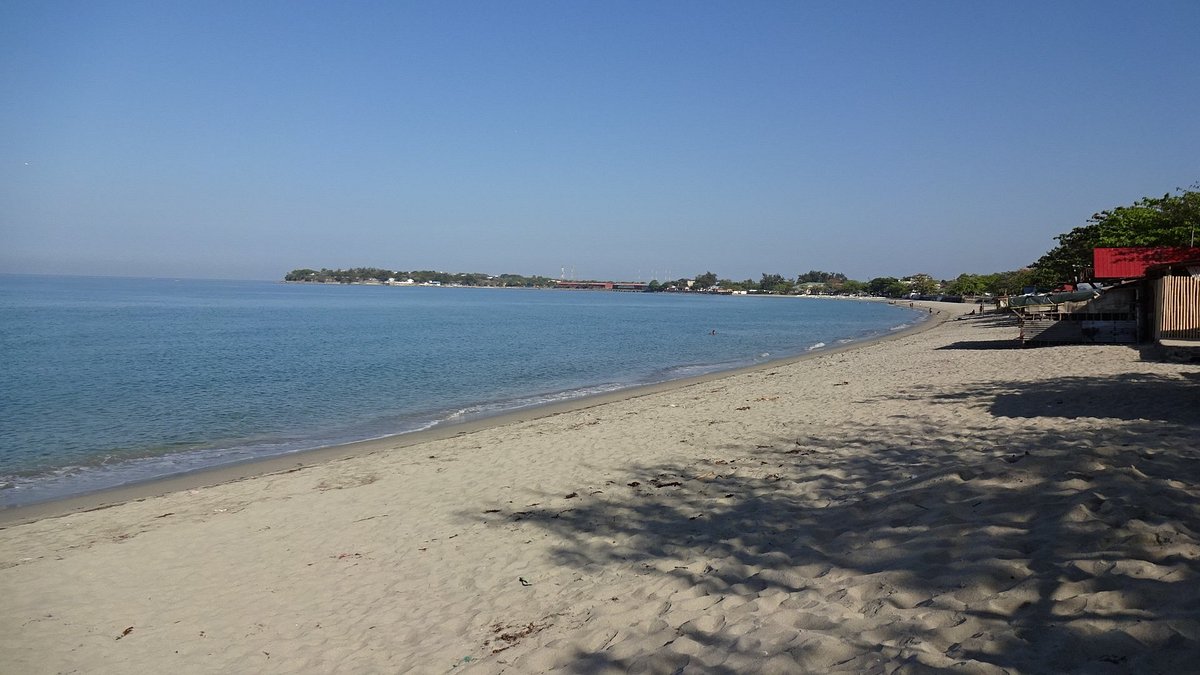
<point x="692" y="370"/>
<point x="481" y="410"/>
<point x="816" y="346"/>
<point x="900" y="327"/>
<point x="112" y="472"/>
<point x="457" y="414"/>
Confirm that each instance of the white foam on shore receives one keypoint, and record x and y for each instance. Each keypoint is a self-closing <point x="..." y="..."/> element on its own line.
<point x="482" y="410"/>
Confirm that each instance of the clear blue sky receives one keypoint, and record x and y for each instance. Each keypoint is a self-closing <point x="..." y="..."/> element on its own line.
<point x="244" y="139"/>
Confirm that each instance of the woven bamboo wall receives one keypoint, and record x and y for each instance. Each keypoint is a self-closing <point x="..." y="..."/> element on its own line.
<point x="1177" y="308"/>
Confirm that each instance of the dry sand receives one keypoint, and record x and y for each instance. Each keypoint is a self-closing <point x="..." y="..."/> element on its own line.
<point x="937" y="501"/>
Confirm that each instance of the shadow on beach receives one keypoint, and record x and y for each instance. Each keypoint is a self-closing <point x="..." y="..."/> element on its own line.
<point x="986" y="345"/>
<point x="1124" y="397"/>
<point x="991" y="321"/>
<point x="1016" y="547"/>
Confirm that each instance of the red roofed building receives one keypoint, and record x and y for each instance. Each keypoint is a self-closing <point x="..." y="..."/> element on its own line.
<point x="1131" y="262"/>
<point x="1167" y="280"/>
<point x="1158" y="300"/>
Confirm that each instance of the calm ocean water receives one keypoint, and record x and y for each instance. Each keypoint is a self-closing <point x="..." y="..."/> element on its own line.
<point x="108" y="381"/>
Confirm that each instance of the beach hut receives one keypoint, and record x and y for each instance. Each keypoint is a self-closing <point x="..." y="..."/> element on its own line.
<point x="1107" y="316"/>
<point x="1167" y="280"/>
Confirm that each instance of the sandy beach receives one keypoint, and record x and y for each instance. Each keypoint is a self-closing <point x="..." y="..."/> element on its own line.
<point x="935" y="501"/>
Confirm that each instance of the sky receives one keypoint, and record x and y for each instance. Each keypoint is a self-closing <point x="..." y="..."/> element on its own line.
<point x="617" y="140"/>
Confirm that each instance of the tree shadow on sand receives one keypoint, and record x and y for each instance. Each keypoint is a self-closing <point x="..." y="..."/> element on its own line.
<point x="991" y="321"/>
<point x="1124" y="397"/>
<point x="986" y="345"/>
<point x="901" y="544"/>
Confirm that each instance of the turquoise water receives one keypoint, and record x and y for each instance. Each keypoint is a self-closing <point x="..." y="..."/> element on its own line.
<point x="108" y="381"/>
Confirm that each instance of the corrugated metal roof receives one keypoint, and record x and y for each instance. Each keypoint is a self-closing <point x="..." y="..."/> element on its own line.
<point x="1036" y="299"/>
<point x="1131" y="262"/>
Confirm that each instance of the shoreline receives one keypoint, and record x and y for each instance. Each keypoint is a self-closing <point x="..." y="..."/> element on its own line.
<point x="305" y="459"/>
<point x="942" y="501"/>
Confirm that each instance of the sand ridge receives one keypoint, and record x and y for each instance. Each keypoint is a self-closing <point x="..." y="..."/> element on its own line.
<point x="931" y="502"/>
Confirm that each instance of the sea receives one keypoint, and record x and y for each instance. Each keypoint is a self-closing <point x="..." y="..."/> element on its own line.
<point x="106" y="382"/>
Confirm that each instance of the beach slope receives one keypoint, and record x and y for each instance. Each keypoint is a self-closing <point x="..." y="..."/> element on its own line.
<point x="940" y="500"/>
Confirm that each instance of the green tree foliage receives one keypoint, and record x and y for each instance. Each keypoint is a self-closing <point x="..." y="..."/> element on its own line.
<point x="774" y="283"/>
<point x="881" y="285"/>
<point x="706" y="280"/>
<point x="834" y="279"/>
<point x="302" y="274"/>
<point x="519" y="281"/>
<point x="968" y="284"/>
<point x="1015" y="282"/>
<point x="852" y="287"/>
<point x="831" y="282"/>
<point x="923" y="284"/>
<point x="1071" y="260"/>
<point x="358" y="275"/>
<point x="1170" y="220"/>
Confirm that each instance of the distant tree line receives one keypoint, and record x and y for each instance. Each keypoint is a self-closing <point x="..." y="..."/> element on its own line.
<point x="1170" y="220"/>
<point x="359" y="275"/>
<point x="813" y="282"/>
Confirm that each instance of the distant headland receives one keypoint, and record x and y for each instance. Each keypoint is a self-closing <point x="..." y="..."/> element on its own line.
<point x="1168" y="221"/>
<point x="814" y="282"/>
